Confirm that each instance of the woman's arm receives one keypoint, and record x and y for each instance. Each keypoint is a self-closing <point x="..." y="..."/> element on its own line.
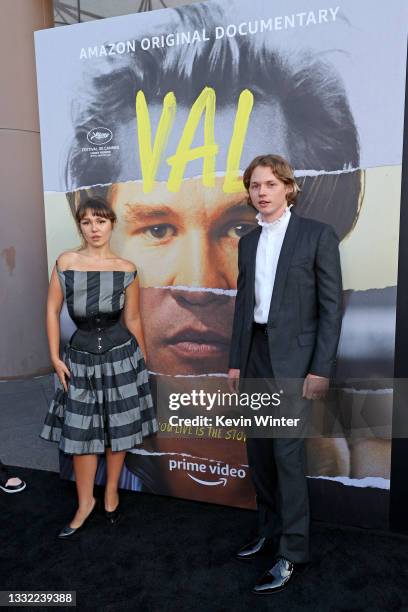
<point x="132" y="318"/>
<point x="55" y="300"/>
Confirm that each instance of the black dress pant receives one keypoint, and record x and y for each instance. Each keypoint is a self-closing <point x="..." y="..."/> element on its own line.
<point x="277" y="467"/>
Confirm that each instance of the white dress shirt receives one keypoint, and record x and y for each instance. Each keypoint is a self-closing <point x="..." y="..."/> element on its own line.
<point x="267" y="255"/>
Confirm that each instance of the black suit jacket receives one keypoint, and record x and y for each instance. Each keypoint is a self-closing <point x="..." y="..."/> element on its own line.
<point x="304" y="319"/>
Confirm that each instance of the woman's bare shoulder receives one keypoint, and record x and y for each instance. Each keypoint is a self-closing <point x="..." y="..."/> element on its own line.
<point x="126" y="265"/>
<point x="67" y="260"/>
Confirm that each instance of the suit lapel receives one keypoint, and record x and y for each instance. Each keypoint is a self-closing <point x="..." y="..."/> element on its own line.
<point x="252" y="262"/>
<point x="288" y="246"/>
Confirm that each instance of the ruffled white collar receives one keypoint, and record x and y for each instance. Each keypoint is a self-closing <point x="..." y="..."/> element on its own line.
<point x="282" y="220"/>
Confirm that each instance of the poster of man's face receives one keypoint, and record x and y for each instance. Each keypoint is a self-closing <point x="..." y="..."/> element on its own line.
<point x="160" y="115"/>
<point x="186" y="245"/>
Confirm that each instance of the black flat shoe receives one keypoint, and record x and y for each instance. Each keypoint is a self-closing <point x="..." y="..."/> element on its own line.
<point x="278" y="577"/>
<point x="255" y="548"/>
<point x="113" y="516"/>
<point x="67" y="531"/>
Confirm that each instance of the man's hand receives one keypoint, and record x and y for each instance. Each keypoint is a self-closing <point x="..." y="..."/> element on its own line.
<point x="233" y="379"/>
<point x="315" y="387"/>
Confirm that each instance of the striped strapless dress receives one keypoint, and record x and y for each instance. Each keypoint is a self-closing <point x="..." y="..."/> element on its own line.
<point x="108" y="402"/>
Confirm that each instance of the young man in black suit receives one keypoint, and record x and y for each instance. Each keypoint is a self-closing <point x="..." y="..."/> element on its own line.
<point x="286" y="326"/>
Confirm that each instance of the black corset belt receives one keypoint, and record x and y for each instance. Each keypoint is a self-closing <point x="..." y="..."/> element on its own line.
<point x="100" y="333"/>
<point x="97" y="321"/>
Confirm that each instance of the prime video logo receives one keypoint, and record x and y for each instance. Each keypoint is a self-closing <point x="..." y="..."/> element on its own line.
<point x="221" y="472"/>
<point x="99" y="136"/>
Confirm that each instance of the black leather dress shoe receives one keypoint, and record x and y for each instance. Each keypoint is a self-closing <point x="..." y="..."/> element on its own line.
<point x="113" y="516"/>
<point x="67" y="531"/>
<point x="255" y="548"/>
<point x="278" y="577"/>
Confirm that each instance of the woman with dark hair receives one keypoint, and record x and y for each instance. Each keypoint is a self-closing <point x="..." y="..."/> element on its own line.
<point x="103" y="402"/>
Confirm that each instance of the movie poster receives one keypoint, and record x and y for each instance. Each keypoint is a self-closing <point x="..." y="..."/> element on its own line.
<point x="160" y="113"/>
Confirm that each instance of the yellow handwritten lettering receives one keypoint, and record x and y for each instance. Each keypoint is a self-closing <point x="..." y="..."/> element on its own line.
<point x="205" y="103"/>
<point x="150" y="157"/>
<point x="232" y="182"/>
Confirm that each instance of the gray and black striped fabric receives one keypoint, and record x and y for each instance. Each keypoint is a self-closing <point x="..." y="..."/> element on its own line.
<point x="92" y="293"/>
<point x="108" y="402"/>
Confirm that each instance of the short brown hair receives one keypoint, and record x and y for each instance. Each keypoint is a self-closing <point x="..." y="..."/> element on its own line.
<point x="281" y="169"/>
<point x="98" y="207"/>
